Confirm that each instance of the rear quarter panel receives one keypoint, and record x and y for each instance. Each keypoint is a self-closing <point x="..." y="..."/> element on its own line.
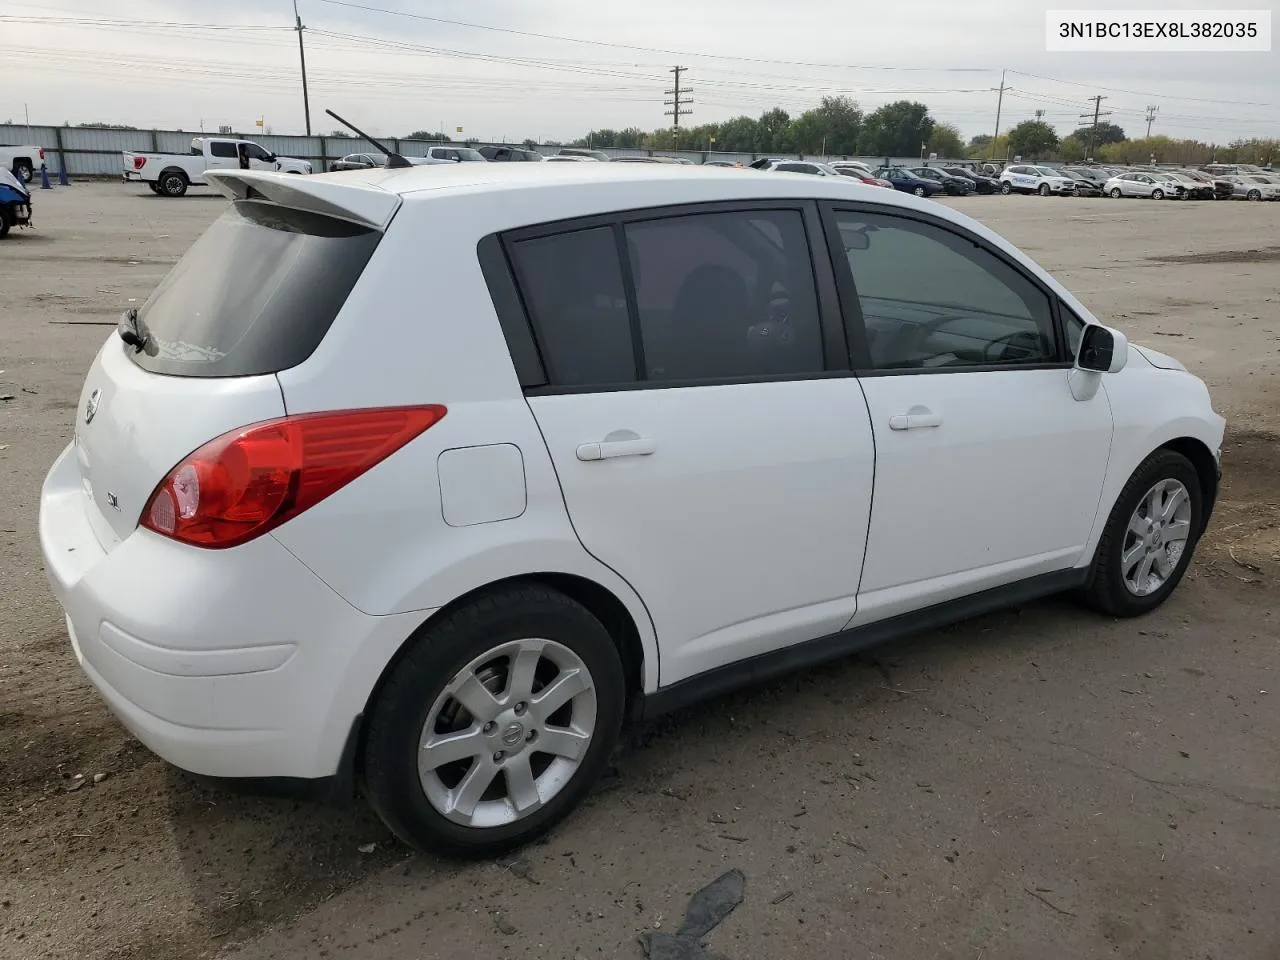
<point x="420" y="327"/>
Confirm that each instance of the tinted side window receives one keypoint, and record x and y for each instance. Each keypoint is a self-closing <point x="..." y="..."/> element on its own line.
<point x="572" y="285"/>
<point x="1073" y="326"/>
<point x="222" y="148"/>
<point x="257" y="153"/>
<point x="725" y="295"/>
<point x="931" y="298"/>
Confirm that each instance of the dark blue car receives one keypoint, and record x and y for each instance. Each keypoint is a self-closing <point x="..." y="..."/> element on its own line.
<point x="908" y="182"/>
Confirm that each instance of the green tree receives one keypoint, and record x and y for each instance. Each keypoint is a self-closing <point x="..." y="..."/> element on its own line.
<point x="897" y="129"/>
<point x="773" y="132"/>
<point x="1032" y="139"/>
<point x="832" y="127"/>
<point x="1072" y="149"/>
<point x="630" y="138"/>
<point x="1106" y="133"/>
<point x="979" y="144"/>
<point x="738" y="135"/>
<point x="426" y="135"/>
<point x="945" y="141"/>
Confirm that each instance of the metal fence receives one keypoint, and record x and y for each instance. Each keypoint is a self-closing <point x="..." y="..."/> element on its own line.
<point x="95" y="152"/>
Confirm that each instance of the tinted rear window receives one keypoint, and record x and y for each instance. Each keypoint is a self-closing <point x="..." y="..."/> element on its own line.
<point x="255" y="294"/>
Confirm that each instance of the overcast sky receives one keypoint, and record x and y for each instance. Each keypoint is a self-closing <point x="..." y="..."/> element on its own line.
<point x="392" y="74"/>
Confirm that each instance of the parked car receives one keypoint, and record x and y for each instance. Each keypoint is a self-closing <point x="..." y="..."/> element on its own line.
<point x="170" y="174"/>
<point x="583" y="152"/>
<point x="736" y="164"/>
<point x="1231" y="169"/>
<point x="981" y="182"/>
<point x="358" y="161"/>
<point x="907" y="182"/>
<point x="453" y="568"/>
<point x="861" y="173"/>
<point x="1222" y="189"/>
<point x="571" y="158"/>
<point x="811" y="167"/>
<point x="23" y="160"/>
<point x="510" y="154"/>
<point x="455" y="154"/>
<point x="1089" y="182"/>
<point x="15" y="203"/>
<point x="1191" y="188"/>
<point x="1253" y="187"/>
<point x="1027" y="178"/>
<point x="951" y="184"/>
<point x="1138" y="183"/>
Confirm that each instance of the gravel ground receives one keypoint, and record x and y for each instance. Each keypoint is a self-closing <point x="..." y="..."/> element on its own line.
<point x="1037" y="782"/>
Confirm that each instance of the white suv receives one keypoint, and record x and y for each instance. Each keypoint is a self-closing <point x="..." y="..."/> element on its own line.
<point x="427" y="480"/>
<point x="1024" y="178"/>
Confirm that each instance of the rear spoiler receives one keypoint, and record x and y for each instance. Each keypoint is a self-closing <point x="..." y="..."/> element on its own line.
<point x="359" y="203"/>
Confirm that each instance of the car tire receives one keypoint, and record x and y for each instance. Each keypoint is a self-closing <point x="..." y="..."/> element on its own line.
<point x="1044" y="190"/>
<point x="1115" y="193"/>
<point x="173" y="183"/>
<point x="1157" y="194"/>
<point x="1006" y="188"/>
<point x="1254" y="195"/>
<point x="5" y="224"/>
<point x="427" y="807"/>
<point x="24" y="171"/>
<point x="1129" y="534"/>
<point x="919" y="191"/>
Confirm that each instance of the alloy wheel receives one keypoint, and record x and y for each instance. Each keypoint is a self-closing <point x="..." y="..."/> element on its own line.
<point x="507" y="733"/>
<point x="1158" y="532"/>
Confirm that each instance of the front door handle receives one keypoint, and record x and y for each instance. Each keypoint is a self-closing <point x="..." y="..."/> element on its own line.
<point x="915" y="419"/>
<point x="620" y="443"/>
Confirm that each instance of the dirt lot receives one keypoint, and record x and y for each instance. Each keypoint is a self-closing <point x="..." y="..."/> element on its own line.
<point x="1040" y="782"/>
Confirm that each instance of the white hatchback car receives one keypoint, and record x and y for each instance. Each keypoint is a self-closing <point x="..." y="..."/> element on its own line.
<point x="424" y="481"/>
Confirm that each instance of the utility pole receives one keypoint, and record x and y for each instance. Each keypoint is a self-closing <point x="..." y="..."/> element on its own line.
<point x="302" y="56"/>
<point x="1039" y="115"/>
<point x="680" y="99"/>
<point x="1097" y="112"/>
<point x="999" y="103"/>
<point x="1152" y="110"/>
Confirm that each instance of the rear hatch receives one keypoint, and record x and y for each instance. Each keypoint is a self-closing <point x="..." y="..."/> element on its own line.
<point x="255" y="294"/>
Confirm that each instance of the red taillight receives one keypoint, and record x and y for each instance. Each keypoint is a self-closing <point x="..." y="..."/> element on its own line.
<point x="246" y="482"/>
<point x="139" y="162"/>
<point x="42" y="154"/>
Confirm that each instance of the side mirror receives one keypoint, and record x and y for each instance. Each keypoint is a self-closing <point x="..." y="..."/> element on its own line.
<point x="1102" y="350"/>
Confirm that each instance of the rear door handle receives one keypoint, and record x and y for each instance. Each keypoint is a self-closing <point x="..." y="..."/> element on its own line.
<point x="915" y="419"/>
<point x="620" y="443"/>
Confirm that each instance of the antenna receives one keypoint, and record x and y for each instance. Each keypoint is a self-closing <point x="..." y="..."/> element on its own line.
<point x="393" y="159"/>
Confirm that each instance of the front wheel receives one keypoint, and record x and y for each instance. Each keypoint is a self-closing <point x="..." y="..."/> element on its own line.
<point x="1254" y="195"/>
<point x="918" y="191"/>
<point x="1044" y="190"/>
<point x="495" y="723"/>
<point x="1115" y="193"/>
<point x="5" y="223"/>
<point x="1147" y="543"/>
<point x="1006" y="188"/>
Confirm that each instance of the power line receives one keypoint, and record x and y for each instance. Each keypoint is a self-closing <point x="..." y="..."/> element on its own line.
<point x="1136" y="93"/>
<point x="661" y="50"/>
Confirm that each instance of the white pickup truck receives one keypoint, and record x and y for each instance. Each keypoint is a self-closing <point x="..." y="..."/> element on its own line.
<point x="24" y="161"/>
<point x="169" y="174"/>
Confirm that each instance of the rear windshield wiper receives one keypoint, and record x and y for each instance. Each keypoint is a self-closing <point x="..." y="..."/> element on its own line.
<point x="133" y="332"/>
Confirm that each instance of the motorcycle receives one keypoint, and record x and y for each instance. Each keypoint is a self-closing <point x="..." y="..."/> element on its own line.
<point x="15" y="203"/>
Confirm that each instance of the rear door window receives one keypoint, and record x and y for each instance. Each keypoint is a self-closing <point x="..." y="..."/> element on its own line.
<point x="255" y="294"/>
<point x="222" y="148"/>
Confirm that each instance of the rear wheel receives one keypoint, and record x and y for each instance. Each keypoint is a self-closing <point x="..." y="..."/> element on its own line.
<point x="1157" y="194"/>
<point x="173" y="183"/>
<point x="1149" y="538"/>
<point x="1254" y="195"/>
<point x="495" y="723"/>
<point x="24" y="171"/>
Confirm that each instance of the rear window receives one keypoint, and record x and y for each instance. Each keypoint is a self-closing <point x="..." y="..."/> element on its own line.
<point x="255" y="294"/>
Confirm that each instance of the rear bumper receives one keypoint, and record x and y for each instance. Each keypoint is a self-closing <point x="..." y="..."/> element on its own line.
<point x="233" y="663"/>
<point x="131" y="176"/>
